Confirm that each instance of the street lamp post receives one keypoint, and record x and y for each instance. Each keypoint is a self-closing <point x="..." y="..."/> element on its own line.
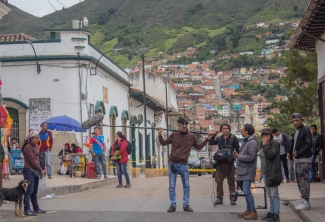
<point x="148" y="160"/>
<point x="166" y="80"/>
<point x="37" y="65"/>
<point x="112" y="50"/>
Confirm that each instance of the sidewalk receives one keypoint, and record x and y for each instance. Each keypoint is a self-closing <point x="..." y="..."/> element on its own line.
<point x="290" y="195"/>
<point x="63" y="184"/>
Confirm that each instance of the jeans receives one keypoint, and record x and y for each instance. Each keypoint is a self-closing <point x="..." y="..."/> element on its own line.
<point x="99" y="159"/>
<point x="292" y="170"/>
<point x="273" y="194"/>
<point x="31" y="192"/>
<point x="121" y="167"/>
<point x="182" y="169"/>
<point x="313" y="168"/>
<point x="284" y="162"/>
<point x="47" y="154"/>
<point x="248" y="195"/>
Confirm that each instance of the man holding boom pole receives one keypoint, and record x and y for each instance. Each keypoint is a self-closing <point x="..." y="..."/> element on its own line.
<point x="182" y="142"/>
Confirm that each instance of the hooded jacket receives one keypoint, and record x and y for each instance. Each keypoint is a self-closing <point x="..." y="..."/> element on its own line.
<point x="246" y="160"/>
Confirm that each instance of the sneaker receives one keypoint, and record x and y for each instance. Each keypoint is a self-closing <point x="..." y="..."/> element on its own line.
<point x="304" y="205"/>
<point x="50" y="177"/>
<point x="105" y="177"/>
<point x="98" y="177"/>
<point x="251" y="216"/>
<point x="267" y="216"/>
<point x="171" y="209"/>
<point x="29" y="213"/>
<point x="276" y="218"/>
<point x="232" y="202"/>
<point x="120" y="185"/>
<point x="187" y="208"/>
<point x="218" y="201"/>
<point x="287" y="181"/>
<point x="293" y="181"/>
<point x="39" y="211"/>
<point x="128" y="185"/>
<point x="242" y="215"/>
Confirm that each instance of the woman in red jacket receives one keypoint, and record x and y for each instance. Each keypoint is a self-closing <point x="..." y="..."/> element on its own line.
<point x="120" y="155"/>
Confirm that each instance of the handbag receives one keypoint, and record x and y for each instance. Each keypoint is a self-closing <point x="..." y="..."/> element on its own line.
<point x="36" y="172"/>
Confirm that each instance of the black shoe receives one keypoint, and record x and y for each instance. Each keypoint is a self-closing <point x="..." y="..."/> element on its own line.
<point x="267" y="217"/>
<point x="218" y="201"/>
<point x="187" y="208"/>
<point x="171" y="209"/>
<point x="275" y="217"/>
<point x="232" y="201"/>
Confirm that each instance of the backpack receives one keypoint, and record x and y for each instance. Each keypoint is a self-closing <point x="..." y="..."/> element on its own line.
<point x="129" y="148"/>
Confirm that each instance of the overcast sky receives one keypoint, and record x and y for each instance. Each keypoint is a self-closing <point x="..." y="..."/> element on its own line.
<point x="40" y="8"/>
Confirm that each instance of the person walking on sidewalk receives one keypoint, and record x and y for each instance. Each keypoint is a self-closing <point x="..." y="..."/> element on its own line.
<point x="272" y="174"/>
<point x="182" y="142"/>
<point x="45" y="146"/>
<point x="225" y="168"/>
<point x="300" y="149"/>
<point x="317" y="146"/>
<point x="292" y="165"/>
<point x="246" y="169"/>
<point x="32" y="172"/>
<point x="154" y="161"/>
<point x="120" y="156"/>
<point x="98" y="150"/>
<point x="284" y="143"/>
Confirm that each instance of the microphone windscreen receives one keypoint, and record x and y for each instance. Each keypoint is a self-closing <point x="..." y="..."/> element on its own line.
<point x="92" y="121"/>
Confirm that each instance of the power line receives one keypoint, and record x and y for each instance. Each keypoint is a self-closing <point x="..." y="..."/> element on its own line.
<point x="60" y="3"/>
<point x="51" y="5"/>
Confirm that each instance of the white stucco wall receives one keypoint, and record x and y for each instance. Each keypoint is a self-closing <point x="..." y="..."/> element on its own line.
<point x="22" y="82"/>
<point x="320" y="49"/>
<point x="155" y="87"/>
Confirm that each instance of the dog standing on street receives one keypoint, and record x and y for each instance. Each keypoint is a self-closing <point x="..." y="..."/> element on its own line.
<point x="15" y="194"/>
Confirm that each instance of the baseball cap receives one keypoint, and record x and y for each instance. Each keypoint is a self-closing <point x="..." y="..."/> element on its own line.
<point x="296" y="115"/>
<point x="266" y="131"/>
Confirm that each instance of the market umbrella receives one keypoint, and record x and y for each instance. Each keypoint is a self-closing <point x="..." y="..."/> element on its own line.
<point x="64" y="123"/>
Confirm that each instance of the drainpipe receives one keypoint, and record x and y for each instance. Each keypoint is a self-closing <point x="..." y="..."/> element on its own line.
<point x="80" y="97"/>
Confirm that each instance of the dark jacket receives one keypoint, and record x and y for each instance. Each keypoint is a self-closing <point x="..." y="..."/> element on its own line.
<point x="272" y="164"/>
<point x="182" y="144"/>
<point x="317" y="143"/>
<point x="235" y="143"/>
<point x="303" y="143"/>
<point x="246" y="160"/>
<point x="285" y="142"/>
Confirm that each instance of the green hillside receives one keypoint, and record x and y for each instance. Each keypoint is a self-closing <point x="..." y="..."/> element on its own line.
<point x="163" y="26"/>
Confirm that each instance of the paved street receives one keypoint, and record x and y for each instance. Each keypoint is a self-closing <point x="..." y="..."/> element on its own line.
<point x="147" y="200"/>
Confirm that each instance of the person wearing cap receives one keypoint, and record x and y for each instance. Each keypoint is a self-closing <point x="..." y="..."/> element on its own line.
<point x="271" y="171"/>
<point x="32" y="172"/>
<point x="301" y="150"/>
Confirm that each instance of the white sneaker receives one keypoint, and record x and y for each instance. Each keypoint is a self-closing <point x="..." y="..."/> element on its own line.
<point x="299" y="203"/>
<point x="304" y="205"/>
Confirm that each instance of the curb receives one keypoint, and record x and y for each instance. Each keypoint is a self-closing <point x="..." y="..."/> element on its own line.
<point x="60" y="190"/>
<point x="305" y="215"/>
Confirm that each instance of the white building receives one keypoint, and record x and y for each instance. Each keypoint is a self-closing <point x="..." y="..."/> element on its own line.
<point x="65" y="84"/>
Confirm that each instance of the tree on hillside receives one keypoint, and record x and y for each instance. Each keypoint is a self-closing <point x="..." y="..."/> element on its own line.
<point x="282" y="122"/>
<point x="302" y="80"/>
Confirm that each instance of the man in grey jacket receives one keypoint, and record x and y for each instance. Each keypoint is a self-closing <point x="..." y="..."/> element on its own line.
<point x="246" y="169"/>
